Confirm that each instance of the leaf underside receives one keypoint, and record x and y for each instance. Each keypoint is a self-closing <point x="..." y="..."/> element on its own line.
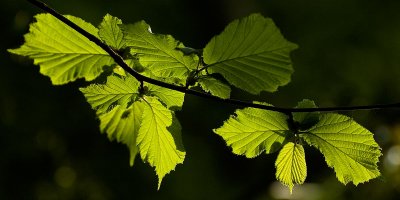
<point x="63" y="54"/>
<point x="215" y="87"/>
<point x="171" y="98"/>
<point x="251" y="54"/>
<point x="116" y="91"/>
<point x="291" y="165"/>
<point x="122" y="124"/>
<point x="156" y="143"/>
<point x="144" y="123"/>
<point x="252" y="131"/>
<point x="110" y="32"/>
<point x="306" y="120"/>
<point x="348" y="148"/>
<point x="158" y="52"/>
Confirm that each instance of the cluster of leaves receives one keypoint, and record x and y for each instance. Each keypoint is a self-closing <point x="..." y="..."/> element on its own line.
<point x="250" y="54"/>
<point x="348" y="148"/>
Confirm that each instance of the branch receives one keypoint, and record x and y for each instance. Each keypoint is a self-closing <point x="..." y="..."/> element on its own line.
<point x="120" y="61"/>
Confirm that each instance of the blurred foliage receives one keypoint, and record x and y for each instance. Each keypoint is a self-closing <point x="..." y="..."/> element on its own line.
<point x="51" y="147"/>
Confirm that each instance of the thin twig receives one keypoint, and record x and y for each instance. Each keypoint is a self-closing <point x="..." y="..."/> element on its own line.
<point x="120" y="61"/>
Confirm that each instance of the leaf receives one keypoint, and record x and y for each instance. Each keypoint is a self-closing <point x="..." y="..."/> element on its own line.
<point x="117" y="90"/>
<point x="291" y="165"/>
<point x="119" y="114"/>
<point x="142" y="124"/>
<point x="171" y="98"/>
<point x="123" y="125"/>
<point x="156" y="143"/>
<point x="63" y="54"/>
<point x="158" y="52"/>
<point x="110" y="32"/>
<point x="253" y="131"/>
<point x="348" y="148"/>
<point x="215" y="87"/>
<point x="251" y="54"/>
<point x="306" y="119"/>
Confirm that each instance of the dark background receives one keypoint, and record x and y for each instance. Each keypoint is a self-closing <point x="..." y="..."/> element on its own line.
<point x="51" y="147"/>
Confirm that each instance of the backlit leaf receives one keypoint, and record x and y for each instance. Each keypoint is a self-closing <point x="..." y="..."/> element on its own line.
<point x="251" y="54"/>
<point x="291" y="165"/>
<point x="348" y="148"/>
<point x="215" y="87"/>
<point x="110" y="32"/>
<point x="252" y="131"/>
<point x="158" y="52"/>
<point x="63" y="54"/>
<point x="123" y="125"/>
<point x="117" y="90"/>
<point x="171" y="98"/>
<point x="306" y="119"/>
<point x="156" y="143"/>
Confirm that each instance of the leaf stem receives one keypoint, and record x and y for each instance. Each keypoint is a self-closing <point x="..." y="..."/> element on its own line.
<point x="120" y="61"/>
<point x="292" y="124"/>
<point x="141" y="88"/>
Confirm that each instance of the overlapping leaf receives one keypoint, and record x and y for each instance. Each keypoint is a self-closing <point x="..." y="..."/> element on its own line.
<point x="158" y="52"/>
<point x="120" y="116"/>
<point x="117" y="90"/>
<point x="143" y="123"/>
<point x="62" y="53"/>
<point x="171" y="98"/>
<point x="123" y="125"/>
<point x="110" y="32"/>
<point x="348" y="148"/>
<point x="306" y="120"/>
<point x="291" y="165"/>
<point x="156" y="143"/>
<point x="251" y="54"/>
<point x="215" y="87"/>
<point x="251" y="131"/>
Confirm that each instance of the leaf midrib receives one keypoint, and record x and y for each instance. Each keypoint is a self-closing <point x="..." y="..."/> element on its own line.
<point x="335" y="148"/>
<point x="245" y="56"/>
<point x="69" y="53"/>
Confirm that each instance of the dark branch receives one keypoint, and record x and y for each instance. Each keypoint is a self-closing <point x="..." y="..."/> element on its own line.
<point x="120" y="61"/>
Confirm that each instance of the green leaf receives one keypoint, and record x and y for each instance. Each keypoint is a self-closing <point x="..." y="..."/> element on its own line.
<point x="251" y="54"/>
<point x="158" y="52"/>
<point x="119" y="114"/>
<point x="157" y="145"/>
<point x="135" y="65"/>
<point x="62" y="53"/>
<point x="123" y="125"/>
<point x="252" y="131"/>
<point x="215" y="87"/>
<point x="306" y="119"/>
<point x="348" y="148"/>
<point x="119" y="70"/>
<point x="171" y="98"/>
<point x="143" y="124"/>
<point x="117" y="90"/>
<point x="110" y="32"/>
<point x="291" y="165"/>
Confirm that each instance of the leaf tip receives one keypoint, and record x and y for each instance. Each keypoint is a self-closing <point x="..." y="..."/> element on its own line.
<point x="290" y="189"/>
<point x="13" y="51"/>
<point x="159" y="185"/>
<point x="160" y="178"/>
<point x="132" y="160"/>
